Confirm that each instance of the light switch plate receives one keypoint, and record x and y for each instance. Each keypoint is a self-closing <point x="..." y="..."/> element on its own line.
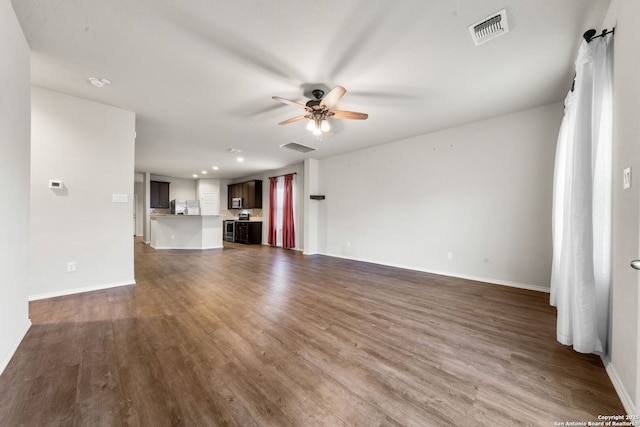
<point x="626" y="178"/>
<point x="119" y="198"/>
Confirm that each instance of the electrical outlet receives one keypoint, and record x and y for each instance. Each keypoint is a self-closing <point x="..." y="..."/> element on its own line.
<point x="71" y="266"/>
<point x="450" y="256"/>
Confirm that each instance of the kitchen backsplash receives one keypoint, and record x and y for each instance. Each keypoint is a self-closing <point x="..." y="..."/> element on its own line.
<point x="159" y="211"/>
<point x="255" y="214"/>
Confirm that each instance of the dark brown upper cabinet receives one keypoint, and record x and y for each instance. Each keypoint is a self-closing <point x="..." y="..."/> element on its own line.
<point x="249" y="191"/>
<point x="159" y="194"/>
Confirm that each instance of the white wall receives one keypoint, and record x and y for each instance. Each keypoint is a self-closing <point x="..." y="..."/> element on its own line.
<point x="208" y="194"/>
<point x="625" y="16"/>
<point x="138" y="188"/>
<point x="90" y="147"/>
<point x="481" y="192"/>
<point x="14" y="183"/>
<point x="146" y="220"/>
<point x="311" y="207"/>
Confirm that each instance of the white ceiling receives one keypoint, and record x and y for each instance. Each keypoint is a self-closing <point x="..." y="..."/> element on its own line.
<point x="200" y="73"/>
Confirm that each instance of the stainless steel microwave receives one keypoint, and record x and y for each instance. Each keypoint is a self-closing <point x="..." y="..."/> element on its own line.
<point x="236" y="203"/>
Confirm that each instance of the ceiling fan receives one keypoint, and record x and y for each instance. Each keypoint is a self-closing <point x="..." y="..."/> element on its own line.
<point x="319" y="110"/>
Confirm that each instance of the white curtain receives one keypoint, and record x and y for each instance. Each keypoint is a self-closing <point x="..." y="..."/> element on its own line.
<point x="581" y="269"/>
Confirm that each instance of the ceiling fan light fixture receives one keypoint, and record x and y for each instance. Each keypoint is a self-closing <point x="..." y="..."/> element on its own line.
<point x="318" y="110"/>
<point x="311" y="125"/>
<point x="318" y="125"/>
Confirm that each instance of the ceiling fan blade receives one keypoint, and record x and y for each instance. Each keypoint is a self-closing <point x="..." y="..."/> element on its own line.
<point x="351" y="115"/>
<point x="289" y="102"/>
<point x="333" y="97"/>
<point x="293" y="119"/>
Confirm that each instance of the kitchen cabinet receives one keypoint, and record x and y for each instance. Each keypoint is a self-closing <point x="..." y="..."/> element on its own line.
<point x="159" y="194"/>
<point x="248" y="232"/>
<point x="235" y="191"/>
<point x="249" y="191"/>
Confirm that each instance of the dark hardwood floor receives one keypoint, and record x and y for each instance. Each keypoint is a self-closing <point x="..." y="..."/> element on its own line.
<point x="259" y="336"/>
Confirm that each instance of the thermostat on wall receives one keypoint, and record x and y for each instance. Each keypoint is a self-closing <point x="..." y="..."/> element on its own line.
<point x="56" y="184"/>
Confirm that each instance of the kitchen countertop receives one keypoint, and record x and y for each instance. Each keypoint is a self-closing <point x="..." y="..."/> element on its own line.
<point x="181" y="216"/>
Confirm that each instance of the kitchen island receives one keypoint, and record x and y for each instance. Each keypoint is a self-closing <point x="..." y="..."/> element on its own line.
<point x="186" y="231"/>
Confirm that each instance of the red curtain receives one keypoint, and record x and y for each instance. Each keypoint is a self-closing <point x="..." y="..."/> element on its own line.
<point x="273" y="210"/>
<point x="288" y="233"/>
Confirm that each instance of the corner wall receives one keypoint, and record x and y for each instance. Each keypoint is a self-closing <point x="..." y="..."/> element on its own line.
<point x="311" y="207"/>
<point x="14" y="184"/>
<point x="472" y="201"/>
<point x="90" y="147"/>
<point x="623" y="352"/>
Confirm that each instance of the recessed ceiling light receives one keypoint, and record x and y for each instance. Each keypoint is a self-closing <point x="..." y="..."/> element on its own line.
<point x="195" y="176"/>
<point x="99" y="82"/>
<point x="240" y="159"/>
<point x="215" y="168"/>
<point x="204" y="172"/>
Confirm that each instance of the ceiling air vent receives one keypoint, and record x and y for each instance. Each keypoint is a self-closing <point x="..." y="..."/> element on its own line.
<point x="489" y="28"/>
<point x="297" y="147"/>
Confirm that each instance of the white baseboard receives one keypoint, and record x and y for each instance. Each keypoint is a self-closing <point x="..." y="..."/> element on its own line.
<point x="187" y="247"/>
<point x="80" y="290"/>
<point x="623" y="394"/>
<point x="16" y="342"/>
<point x="449" y="274"/>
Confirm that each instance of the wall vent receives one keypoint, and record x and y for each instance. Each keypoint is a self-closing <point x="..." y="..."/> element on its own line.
<point x="489" y="28"/>
<point x="297" y="147"/>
